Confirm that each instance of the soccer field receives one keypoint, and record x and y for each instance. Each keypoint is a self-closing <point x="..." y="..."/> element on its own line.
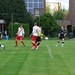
<point x="47" y="60"/>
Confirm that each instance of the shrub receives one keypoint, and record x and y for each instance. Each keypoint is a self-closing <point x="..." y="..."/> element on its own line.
<point x="13" y="28"/>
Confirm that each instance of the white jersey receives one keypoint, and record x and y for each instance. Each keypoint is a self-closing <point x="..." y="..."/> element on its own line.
<point x="35" y="29"/>
<point x="20" y="31"/>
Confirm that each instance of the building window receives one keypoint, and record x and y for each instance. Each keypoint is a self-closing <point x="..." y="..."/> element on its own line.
<point x="30" y="5"/>
<point x="41" y="5"/>
<point x="37" y="12"/>
<point x="41" y="0"/>
<point x="30" y="0"/>
<point x="36" y="0"/>
<point x="33" y="4"/>
<point x="27" y="5"/>
<point x="31" y="11"/>
<point x="26" y="0"/>
<point x="36" y="5"/>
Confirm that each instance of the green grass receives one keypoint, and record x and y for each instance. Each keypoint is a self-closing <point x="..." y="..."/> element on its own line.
<point x="47" y="60"/>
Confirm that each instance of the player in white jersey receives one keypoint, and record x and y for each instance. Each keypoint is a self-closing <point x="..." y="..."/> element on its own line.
<point x="34" y="35"/>
<point x="20" y="35"/>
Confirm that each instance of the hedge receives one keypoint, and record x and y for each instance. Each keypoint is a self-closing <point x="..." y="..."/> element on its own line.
<point x="13" y="28"/>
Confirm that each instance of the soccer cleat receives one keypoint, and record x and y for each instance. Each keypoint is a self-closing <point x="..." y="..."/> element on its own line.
<point x="15" y="46"/>
<point x="33" y="47"/>
<point x="56" y="45"/>
<point x="24" y="45"/>
<point x="37" y="47"/>
<point x="62" y="45"/>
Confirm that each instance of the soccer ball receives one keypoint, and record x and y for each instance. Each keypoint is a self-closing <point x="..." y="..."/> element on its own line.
<point x="46" y="38"/>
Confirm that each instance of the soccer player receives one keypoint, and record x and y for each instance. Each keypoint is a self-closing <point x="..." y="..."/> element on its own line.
<point x="61" y="35"/>
<point x="2" y="46"/>
<point x="39" y="35"/>
<point x="20" y="35"/>
<point x="34" y="36"/>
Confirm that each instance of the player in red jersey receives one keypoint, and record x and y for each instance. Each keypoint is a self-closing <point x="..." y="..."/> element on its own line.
<point x="20" y="35"/>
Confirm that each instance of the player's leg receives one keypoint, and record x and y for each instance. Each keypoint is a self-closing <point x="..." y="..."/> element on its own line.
<point x="58" y="42"/>
<point x="38" y="41"/>
<point x="22" y="41"/>
<point x="34" y="45"/>
<point x="62" y="42"/>
<point x="2" y="46"/>
<point x="16" y="41"/>
<point x="38" y="45"/>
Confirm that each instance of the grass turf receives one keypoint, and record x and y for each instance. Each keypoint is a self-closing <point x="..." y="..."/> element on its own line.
<point x="47" y="60"/>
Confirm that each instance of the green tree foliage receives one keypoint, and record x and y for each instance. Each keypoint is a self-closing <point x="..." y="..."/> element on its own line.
<point x="14" y="9"/>
<point x="48" y="10"/>
<point x="60" y="14"/>
<point x="49" y="24"/>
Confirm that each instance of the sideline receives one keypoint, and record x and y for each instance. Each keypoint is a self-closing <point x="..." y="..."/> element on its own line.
<point x="49" y="50"/>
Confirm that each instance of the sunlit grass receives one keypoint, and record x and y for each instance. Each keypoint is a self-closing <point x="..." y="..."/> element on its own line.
<point x="47" y="60"/>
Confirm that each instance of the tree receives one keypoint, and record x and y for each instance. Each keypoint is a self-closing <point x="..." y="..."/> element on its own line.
<point x="49" y="24"/>
<point x="48" y="9"/>
<point x="14" y="9"/>
<point x="61" y="14"/>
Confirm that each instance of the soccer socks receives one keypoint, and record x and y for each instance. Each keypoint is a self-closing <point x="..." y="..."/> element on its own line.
<point x="16" y="43"/>
<point x="22" y="43"/>
<point x="57" y="44"/>
<point x="62" y="44"/>
<point x="38" y="44"/>
<point x="34" y="44"/>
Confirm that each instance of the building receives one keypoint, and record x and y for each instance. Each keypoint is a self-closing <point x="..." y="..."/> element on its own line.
<point x="36" y="7"/>
<point x="72" y="11"/>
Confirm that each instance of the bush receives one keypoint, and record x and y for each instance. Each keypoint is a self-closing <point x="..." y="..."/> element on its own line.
<point x="13" y="28"/>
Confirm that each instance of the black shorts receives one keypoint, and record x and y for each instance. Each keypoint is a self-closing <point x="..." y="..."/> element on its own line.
<point x="38" y="39"/>
<point x="61" y="37"/>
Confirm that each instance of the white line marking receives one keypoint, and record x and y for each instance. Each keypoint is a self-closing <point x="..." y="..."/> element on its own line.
<point x="50" y="53"/>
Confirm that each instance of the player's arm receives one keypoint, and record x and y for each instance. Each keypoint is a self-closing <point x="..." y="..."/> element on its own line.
<point x="30" y="34"/>
<point x="65" y="33"/>
<point x="23" y="33"/>
<point x="58" y="34"/>
<point x="17" y="31"/>
<point x="1" y="35"/>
